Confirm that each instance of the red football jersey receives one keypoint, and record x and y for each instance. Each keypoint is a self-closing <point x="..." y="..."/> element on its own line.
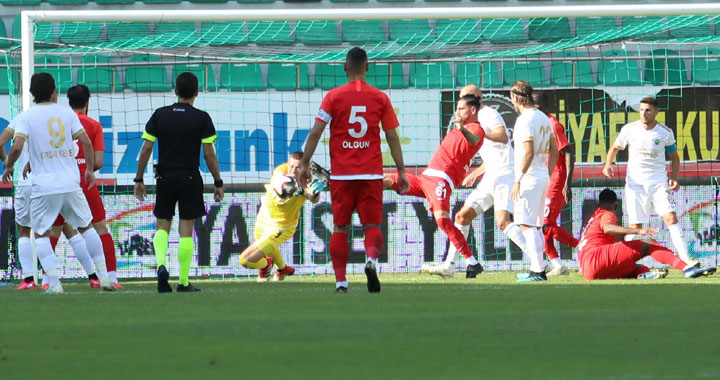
<point x="453" y="155"/>
<point x="593" y="234"/>
<point x="355" y="112"/>
<point x="560" y="170"/>
<point x="94" y="131"/>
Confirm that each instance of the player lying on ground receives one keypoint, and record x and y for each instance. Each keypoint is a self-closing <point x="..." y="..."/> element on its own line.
<point x="600" y="257"/>
<point x="278" y="218"/>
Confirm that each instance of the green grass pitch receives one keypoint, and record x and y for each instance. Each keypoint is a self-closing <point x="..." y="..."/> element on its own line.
<point x="417" y="328"/>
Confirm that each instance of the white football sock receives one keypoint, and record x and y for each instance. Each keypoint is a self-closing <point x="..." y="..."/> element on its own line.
<point x="453" y="254"/>
<point x="94" y="247"/>
<point x="533" y="241"/>
<point x="679" y="243"/>
<point x="556" y="263"/>
<point x="344" y="284"/>
<point x="515" y="234"/>
<point x="25" y="255"/>
<point x="46" y="256"/>
<point x="81" y="252"/>
<point x="374" y="261"/>
<point x="113" y="276"/>
<point x="631" y="237"/>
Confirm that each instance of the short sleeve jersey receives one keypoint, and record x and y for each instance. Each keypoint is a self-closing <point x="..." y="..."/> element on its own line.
<point x="278" y="211"/>
<point x="593" y="234"/>
<point x="94" y="132"/>
<point x="560" y="170"/>
<point x="533" y="125"/>
<point x="646" y="154"/>
<point x="498" y="157"/>
<point x="355" y="112"/>
<point x="50" y="130"/>
<point x="453" y="155"/>
<point x="24" y="157"/>
<point x="180" y="130"/>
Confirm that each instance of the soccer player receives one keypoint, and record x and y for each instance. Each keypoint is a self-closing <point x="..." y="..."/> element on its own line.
<point x="492" y="191"/>
<point x="558" y="192"/>
<point x="533" y="141"/>
<point x="448" y="166"/>
<point x="277" y="219"/>
<point x="79" y="97"/>
<point x="646" y="181"/>
<point x="601" y="257"/>
<point x="49" y="129"/>
<point x="354" y="112"/>
<point x="180" y="131"/>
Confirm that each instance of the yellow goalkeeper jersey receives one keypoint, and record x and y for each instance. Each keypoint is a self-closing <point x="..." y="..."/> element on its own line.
<point x="278" y="211"/>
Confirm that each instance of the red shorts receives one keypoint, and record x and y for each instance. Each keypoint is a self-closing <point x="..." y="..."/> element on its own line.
<point x="436" y="190"/>
<point x="554" y="201"/>
<point x="610" y="261"/>
<point x="94" y="201"/>
<point x="365" y="196"/>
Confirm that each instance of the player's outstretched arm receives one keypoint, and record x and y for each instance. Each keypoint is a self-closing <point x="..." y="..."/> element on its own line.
<point x="608" y="169"/>
<point x="145" y="153"/>
<point x="310" y="146"/>
<point x="673" y="183"/>
<point x="569" y="166"/>
<point x="474" y="175"/>
<point x="498" y="135"/>
<point x="471" y="138"/>
<point x="393" y="141"/>
<point x="615" y="230"/>
<point x="15" y="151"/>
<point x="89" y="159"/>
<point x="212" y="164"/>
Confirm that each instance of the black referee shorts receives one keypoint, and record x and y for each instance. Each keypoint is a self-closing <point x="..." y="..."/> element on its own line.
<point x="182" y="189"/>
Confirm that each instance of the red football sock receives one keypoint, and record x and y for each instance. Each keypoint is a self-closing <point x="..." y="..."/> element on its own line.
<point x="456" y="236"/>
<point x="53" y="242"/>
<point x="550" y="250"/>
<point x="564" y="237"/>
<point x="109" y="252"/>
<point x="339" y="252"/>
<point x="373" y="242"/>
<point x="666" y="256"/>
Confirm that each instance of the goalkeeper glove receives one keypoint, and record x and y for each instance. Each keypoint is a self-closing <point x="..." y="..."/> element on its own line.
<point x="316" y="186"/>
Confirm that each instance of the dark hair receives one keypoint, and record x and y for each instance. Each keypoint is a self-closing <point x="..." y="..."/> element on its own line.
<point x="650" y="100"/>
<point x="78" y="96"/>
<point x="186" y="85"/>
<point x="541" y="100"/>
<point x="607" y="196"/>
<point x="297" y="155"/>
<point x="471" y="101"/>
<point x="524" y="92"/>
<point x="42" y="86"/>
<point x="356" y="60"/>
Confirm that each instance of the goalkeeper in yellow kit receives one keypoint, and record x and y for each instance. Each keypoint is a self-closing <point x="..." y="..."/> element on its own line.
<point x="278" y="218"/>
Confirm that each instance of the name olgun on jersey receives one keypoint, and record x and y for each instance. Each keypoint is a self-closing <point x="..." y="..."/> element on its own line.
<point x="355" y="144"/>
<point x="57" y="153"/>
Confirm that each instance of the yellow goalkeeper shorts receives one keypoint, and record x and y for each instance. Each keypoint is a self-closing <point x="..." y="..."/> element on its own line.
<point x="269" y="237"/>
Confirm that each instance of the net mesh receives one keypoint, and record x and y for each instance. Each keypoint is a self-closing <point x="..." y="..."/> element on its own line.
<point x="262" y="83"/>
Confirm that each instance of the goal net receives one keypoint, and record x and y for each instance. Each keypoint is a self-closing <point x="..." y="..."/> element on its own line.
<point x="263" y="79"/>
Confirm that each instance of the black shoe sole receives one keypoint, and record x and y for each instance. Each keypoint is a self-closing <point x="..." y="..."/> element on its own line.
<point x="473" y="274"/>
<point x="373" y="283"/>
<point x="341" y="290"/>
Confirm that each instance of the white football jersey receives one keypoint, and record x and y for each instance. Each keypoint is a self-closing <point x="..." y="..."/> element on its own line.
<point x="498" y="157"/>
<point x="23" y="159"/>
<point x="49" y="130"/>
<point x="646" y="155"/>
<point x="533" y="125"/>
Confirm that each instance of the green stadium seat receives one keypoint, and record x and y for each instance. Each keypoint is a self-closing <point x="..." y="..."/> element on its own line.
<point x="317" y="32"/>
<point x="255" y="1"/>
<point x="8" y="80"/>
<point x="80" y="33"/>
<point x="98" y="78"/>
<point x="615" y="70"/>
<point x="503" y="30"/>
<point x="529" y="71"/>
<point x="107" y="2"/>
<point x="162" y="1"/>
<point x="123" y="30"/>
<point x="241" y="77"/>
<point x="67" y="2"/>
<point x="395" y="1"/>
<point x="706" y="67"/>
<point x="431" y="75"/>
<point x="174" y="27"/>
<point x="469" y="73"/>
<point x="208" y="1"/>
<point x="549" y="29"/>
<point x="491" y="75"/>
<point x="20" y="2"/>
<point x="204" y="73"/>
<point x="360" y="32"/>
<point x="589" y="25"/>
<point x="147" y="78"/>
<point x="463" y="31"/>
<point x="645" y="27"/>
<point x="386" y="75"/>
<point x="44" y="32"/>
<point x="348" y="1"/>
<point x="4" y="41"/>
<point x="329" y="76"/>
<point x="411" y="31"/>
<point x="173" y="34"/>
<point x="571" y="72"/>
<point x="62" y="75"/>
<point x="689" y="26"/>
<point x="666" y="69"/>
<point x="288" y="76"/>
<point x="270" y="33"/>
<point x="223" y="33"/>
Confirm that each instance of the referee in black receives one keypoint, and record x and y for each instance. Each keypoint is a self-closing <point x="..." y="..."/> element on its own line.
<point x="180" y="130"/>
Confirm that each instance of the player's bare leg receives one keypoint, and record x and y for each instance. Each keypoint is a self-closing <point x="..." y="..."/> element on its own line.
<point x="339" y="252"/>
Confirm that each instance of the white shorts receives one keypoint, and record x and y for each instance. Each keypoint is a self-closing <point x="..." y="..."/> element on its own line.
<point x="491" y="192"/>
<point x="73" y="206"/>
<point x="530" y="208"/>
<point x="22" y="205"/>
<point x="640" y="198"/>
